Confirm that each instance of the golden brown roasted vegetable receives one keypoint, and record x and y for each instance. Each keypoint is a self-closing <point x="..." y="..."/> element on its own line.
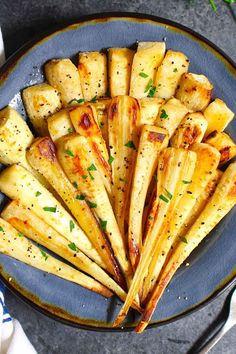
<point x="152" y="141"/>
<point x="101" y="107"/>
<point x="119" y="64"/>
<point x="174" y="166"/>
<point x="218" y="116"/>
<point x="191" y="130"/>
<point x="42" y="156"/>
<point x="93" y="74"/>
<point x="63" y="75"/>
<point x="146" y="60"/>
<point x="169" y="73"/>
<point x="59" y="124"/>
<point x="123" y="120"/>
<point x="14" y="244"/>
<point x="41" y="101"/>
<point x="222" y="201"/>
<point x="85" y="123"/>
<point x="224" y="144"/>
<point x="194" y="91"/>
<point x="149" y="109"/>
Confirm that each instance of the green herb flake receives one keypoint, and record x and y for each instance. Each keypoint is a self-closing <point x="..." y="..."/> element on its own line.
<point x="37" y="194"/>
<point x="130" y="145"/>
<point x="20" y="234"/>
<point x="163" y="115"/>
<point x="103" y="224"/>
<point x="155" y="178"/>
<point x="70" y="153"/>
<point x="152" y="91"/>
<point x="45" y="256"/>
<point x="186" y="182"/>
<point x="170" y="196"/>
<point x="70" y="130"/>
<point x="1" y="229"/>
<point x="75" y="185"/>
<point x="91" y="176"/>
<point x="51" y="209"/>
<point x="110" y="160"/>
<point x="72" y="226"/>
<point x="84" y="177"/>
<point x="213" y="5"/>
<point x="80" y="197"/>
<point x="92" y="205"/>
<point x="162" y="197"/>
<point x="151" y="217"/>
<point x="92" y="168"/>
<point x="149" y="85"/>
<point x="81" y="100"/>
<point x="94" y="99"/>
<point x="142" y="74"/>
<point x="175" y="70"/>
<point x="72" y="246"/>
<point x="183" y="239"/>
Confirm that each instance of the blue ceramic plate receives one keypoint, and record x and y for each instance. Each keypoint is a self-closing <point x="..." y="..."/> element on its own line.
<point x="212" y="265"/>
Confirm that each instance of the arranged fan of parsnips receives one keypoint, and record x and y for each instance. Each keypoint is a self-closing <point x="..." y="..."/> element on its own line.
<point x="124" y="180"/>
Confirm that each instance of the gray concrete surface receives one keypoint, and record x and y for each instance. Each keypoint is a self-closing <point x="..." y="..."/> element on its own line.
<point x="20" y="21"/>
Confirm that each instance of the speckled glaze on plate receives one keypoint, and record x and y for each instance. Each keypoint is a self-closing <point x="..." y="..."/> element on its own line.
<point x="213" y="265"/>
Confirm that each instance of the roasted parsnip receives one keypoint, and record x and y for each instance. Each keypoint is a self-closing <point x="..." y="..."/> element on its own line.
<point x="152" y="141"/>
<point x="173" y="66"/>
<point x="29" y="224"/>
<point x="14" y="244"/>
<point x="224" y="144"/>
<point x="40" y="102"/>
<point x="63" y="75"/>
<point x="101" y="107"/>
<point x="42" y="156"/>
<point x="174" y="166"/>
<point x="222" y="201"/>
<point x="149" y="109"/>
<point x="194" y="91"/>
<point x="59" y="124"/>
<point x="218" y="116"/>
<point x="191" y="130"/>
<point x="146" y="60"/>
<point x="170" y="115"/>
<point x="93" y="74"/>
<point x="123" y="120"/>
<point x="80" y="166"/>
<point x="119" y="65"/>
<point x="84" y="120"/>
<point x="18" y="183"/>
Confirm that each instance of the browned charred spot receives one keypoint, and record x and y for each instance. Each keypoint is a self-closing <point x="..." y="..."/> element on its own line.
<point x="98" y="154"/>
<point x="158" y="137"/>
<point x="85" y="121"/>
<point x="78" y="167"/>
<point x="232" y="191"/>
<point x="47" y="149"/>
<point x="191" y="134"/>
<point x="225" y="154"/>
<point x="113" y="110"/>
<point x="212" y="134"/>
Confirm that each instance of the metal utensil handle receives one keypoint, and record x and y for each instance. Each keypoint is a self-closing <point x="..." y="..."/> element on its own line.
<point x="216" y="338"/>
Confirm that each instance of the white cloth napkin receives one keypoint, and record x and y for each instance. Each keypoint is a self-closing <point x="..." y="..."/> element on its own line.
<point x="12" y="337"/>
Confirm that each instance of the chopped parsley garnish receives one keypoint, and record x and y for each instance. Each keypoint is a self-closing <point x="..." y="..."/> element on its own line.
<point x="37" y="194"/>
<point x="80" y="197"/>
<point x="183" y="239"/>
<point x="162" y="197"/>
<point x="110" y="160"/>
<point x="44" y="254"/>
<point x="170" y="196"/>
<point x="92" y="168"/>
<point x="94" y="99"/>
<point x="142" y="74"/>
<point x="186" y="182"/>
<point x="213" y="5"/>
<point x="130" y="145"/>
<point x="175" y="70"/>
<point x="51" y="209"/>
<point x="75" y="185"/>
<point x="103" y="224"/>
<point x="91" y="176"/>
<point x="1" y="229"/>
<point x="92" y="205"/>
<point x="72" y="246"/>
<point x="84" y="177"/>
<point x="72" y="225"/>
<point x="152" y="91"/>
<point x="163" y="115"/>
<point x="20" y="234"/>
<point x="149" y="85"/>
<point x="70" y="153"/>
<point x="70" y="130"/>
<point x="81" y="100"/>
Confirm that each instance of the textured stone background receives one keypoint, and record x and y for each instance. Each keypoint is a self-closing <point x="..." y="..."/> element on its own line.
<point x="21" y="20"/>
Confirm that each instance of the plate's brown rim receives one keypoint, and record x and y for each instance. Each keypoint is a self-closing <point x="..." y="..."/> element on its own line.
<point x="6" y="69"/>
